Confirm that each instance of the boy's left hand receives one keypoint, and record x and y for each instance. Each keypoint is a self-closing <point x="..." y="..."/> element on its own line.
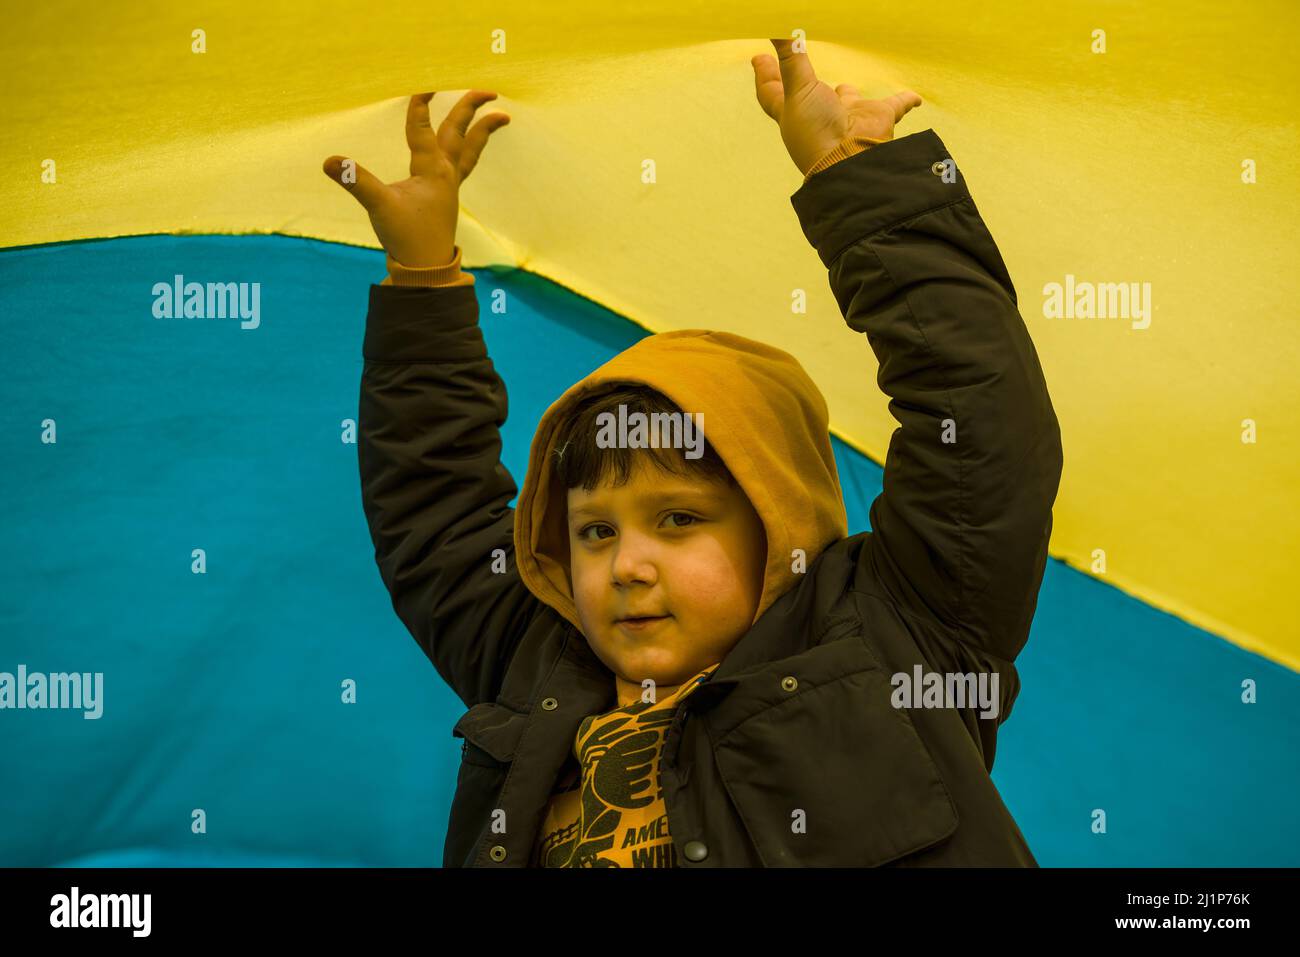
<point x="814" y="119"/>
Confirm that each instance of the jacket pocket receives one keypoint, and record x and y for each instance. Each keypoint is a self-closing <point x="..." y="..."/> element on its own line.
<point x="491" y="734"/>
<point x="821" y="767"/>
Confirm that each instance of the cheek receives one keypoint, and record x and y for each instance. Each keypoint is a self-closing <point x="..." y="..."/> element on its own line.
<point x="713" y="570"/>
<point x="708" y="572"/>
<point x="587" y="581"/>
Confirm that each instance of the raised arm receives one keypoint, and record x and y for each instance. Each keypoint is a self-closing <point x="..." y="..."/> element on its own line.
<point x="960" y="532"/>
<point x="435" y="494"/>
<point x="434" y="491"/>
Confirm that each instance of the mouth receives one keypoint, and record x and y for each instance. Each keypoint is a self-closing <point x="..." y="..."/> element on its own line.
<point x="638" y="625"/>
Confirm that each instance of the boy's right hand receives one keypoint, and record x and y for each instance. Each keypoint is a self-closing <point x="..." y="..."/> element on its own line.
<point x="415" y="219"/>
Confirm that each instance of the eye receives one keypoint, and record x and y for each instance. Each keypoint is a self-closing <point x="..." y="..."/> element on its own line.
<point x="582" y="535"/>
<point x="691" y="521"/>
<point x="683" y="515"/>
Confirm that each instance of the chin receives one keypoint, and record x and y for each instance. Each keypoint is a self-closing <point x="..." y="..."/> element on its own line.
<point x="660" y="664"/>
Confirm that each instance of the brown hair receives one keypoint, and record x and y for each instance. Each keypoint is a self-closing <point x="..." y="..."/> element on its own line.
<point x="580" y="461"/>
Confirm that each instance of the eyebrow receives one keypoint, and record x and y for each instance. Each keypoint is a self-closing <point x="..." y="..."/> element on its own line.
<point x="658" y="498"/>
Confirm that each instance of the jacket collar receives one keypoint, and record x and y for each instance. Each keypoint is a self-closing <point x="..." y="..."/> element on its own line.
<point x="794" y="623"/>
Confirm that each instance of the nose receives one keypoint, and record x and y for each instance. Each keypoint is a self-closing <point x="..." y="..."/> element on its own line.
<point x="634" y="561"/>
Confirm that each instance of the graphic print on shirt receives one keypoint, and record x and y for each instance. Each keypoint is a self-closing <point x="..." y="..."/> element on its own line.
<point x="615" y="816"/>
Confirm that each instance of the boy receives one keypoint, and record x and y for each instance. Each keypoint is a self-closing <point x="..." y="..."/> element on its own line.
<point x="728" y="691"/>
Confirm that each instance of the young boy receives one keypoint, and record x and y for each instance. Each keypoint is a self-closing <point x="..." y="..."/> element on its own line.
<point x="671" y="652"/>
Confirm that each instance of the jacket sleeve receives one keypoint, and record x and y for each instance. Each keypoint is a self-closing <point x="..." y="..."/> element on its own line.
<point x="435" y="493"/>
<point x="960" y="531"/>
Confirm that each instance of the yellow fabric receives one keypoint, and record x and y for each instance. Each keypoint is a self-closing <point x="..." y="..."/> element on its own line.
<point x="1116" y="166"/>
<point x="615" y="815"/>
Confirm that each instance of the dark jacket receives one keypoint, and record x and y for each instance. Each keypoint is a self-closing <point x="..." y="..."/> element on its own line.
<point x="800" y="715"/>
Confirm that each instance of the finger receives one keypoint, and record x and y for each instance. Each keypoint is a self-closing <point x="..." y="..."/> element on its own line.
<point x="476" y="139"/>
<point x="767" y="85"/>
<point x="356" y="179"/>
<point x="902" y="102"/>
<point x="848" y="93"/>
<point x="460" y="115"/>
<point x="419" y="129"/>
<point x="796" y="68"/>
<point x="420" y="136"/>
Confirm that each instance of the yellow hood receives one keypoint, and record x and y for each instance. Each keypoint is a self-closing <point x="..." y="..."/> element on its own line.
<point x="764" y="417"/>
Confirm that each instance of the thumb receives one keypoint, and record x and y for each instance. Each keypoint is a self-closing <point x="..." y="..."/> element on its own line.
<point x="767" y="86"/>
<point x="902" y="102"/>
<point x="356" y="179"/>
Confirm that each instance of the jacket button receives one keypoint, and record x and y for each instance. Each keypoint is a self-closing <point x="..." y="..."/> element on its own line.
<point x="789" y="683"/>
<point x="938" y="167"/>
<point x="695" y="850"/>
<point x="550" y="704"/>
<point x="498" y="853"/>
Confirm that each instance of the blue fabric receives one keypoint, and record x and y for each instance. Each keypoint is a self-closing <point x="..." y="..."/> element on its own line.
<point x="222" y="691"/>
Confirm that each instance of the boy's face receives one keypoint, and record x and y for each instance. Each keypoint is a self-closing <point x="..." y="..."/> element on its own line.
<point x="689" y="550"/>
